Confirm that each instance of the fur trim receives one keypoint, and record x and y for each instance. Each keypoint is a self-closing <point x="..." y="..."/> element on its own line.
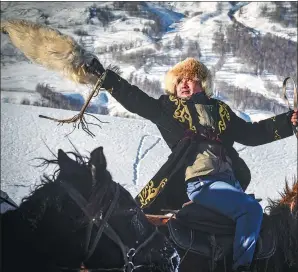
<point x="50" y="48"/>
<point x="189" y="68"/>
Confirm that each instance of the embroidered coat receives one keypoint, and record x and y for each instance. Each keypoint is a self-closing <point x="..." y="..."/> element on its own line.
<point x="174" y="120"/>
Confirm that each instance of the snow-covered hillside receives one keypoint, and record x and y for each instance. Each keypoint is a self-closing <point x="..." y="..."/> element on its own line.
<point x="251" y="15"/>
<point x="151" y="33"/>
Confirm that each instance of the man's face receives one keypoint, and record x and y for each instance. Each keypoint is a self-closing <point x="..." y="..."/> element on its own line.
<point x="187" y="87"/>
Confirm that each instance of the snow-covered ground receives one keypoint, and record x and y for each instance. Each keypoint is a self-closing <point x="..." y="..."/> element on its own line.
<point x="134" y="151"/>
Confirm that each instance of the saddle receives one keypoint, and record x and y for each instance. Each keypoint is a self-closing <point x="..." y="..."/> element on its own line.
<point x="209" y="234"/>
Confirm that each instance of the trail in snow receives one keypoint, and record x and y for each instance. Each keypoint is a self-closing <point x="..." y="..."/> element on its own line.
<point x="140" y="157"/>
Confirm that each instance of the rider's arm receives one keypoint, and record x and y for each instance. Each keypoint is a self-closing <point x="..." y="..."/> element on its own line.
<point x="131" y="97"/>
<point x="263" y="132"/>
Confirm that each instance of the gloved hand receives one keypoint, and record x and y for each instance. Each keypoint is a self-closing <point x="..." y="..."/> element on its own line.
<point x="294" y="118"/>
<point x="294" y="121"/>
<point x="95" y="67"/>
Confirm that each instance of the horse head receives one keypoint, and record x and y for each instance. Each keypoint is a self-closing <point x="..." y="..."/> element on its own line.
<point x="81" y="217"/>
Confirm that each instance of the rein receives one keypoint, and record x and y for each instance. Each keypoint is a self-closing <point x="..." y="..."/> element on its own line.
<point x="104" y="226"/>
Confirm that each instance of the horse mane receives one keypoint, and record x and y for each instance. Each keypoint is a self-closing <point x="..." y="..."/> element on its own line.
<point x="41" y="193"/>
<point x="284" y="215"/>
<point x="288" y="196"/>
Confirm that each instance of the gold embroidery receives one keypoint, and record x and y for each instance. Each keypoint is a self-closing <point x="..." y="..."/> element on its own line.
<point x="149" y="192"/>
<point x="224" y="114"/>
<point x="276" y="135"/>
<point x="110" y="90"/>
<point x="182" y="113"/>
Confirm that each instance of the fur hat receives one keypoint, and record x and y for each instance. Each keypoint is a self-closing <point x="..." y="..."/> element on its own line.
<point x="189" y="68"/>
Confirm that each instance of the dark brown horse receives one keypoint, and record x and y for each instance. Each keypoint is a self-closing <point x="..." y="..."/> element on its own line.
<point x="81" y="218"/>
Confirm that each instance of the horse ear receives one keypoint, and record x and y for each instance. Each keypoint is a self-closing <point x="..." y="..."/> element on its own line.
<point x="98" y="159"/>
<point x="66" y="164"/>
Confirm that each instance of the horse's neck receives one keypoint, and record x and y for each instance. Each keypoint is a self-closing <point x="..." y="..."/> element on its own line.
<point x="16" y="230"/>
<point x="20" y="253"/>
<point x="13" y="226"/>
<point x="14" y="240"/>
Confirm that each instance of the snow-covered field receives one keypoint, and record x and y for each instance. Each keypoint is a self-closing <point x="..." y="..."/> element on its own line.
<point x="134" y="151"/>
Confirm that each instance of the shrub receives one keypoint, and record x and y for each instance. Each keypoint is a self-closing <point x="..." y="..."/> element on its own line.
<point x="196" y="13"/>
<point x="178" y="42"/>
<point x="62" y="26"/>
<point x="81" y="32"/>
<point x="25" y="101"/>
<point x="36" y="103"/>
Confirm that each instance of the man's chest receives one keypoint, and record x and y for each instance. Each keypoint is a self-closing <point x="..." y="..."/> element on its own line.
<point x="191" y="115"/>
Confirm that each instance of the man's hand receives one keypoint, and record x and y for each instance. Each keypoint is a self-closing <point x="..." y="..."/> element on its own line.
<point x="294" y="118"/>
<point x="95" y="67"/>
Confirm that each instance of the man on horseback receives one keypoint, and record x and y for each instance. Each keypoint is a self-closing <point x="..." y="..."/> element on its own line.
<point x="201" y="132"/>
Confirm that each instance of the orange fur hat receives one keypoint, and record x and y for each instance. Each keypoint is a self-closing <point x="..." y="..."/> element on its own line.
<point x="189" y="68"/>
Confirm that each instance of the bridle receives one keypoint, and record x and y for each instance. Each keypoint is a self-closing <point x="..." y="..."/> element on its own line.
<point x="104" y="227"/>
